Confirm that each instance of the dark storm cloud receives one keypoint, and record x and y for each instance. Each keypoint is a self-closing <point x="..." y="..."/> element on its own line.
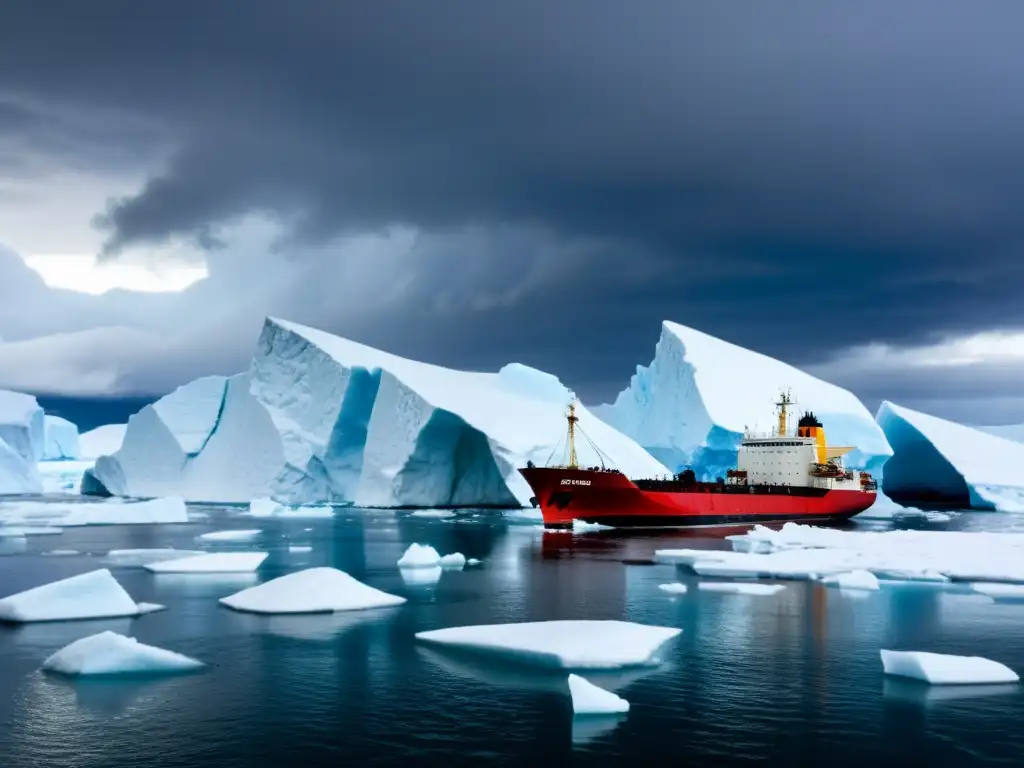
<point x="792" y="176"/>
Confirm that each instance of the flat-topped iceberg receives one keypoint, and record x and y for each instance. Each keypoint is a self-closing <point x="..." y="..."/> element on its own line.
<point x="93" y="595"/>
<point x="692" y="404"/>
<point x="739" y="588"/>
<point x="154" y="511"/>
<point x="314" y="590"/>
<point x="561" y="644"/>
<point x="946" y="669"/>
<point x="109" y="653"/>
<point x="218" y="562"/>
<point x="320" y="419"/>
<point x="941" y="461"/>
<point x="22" y="441"/>
<point x="589" y="699"/>
<point x="673" y="589"/>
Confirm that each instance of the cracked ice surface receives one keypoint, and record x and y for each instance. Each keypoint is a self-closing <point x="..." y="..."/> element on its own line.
<point x="805" y="552"/>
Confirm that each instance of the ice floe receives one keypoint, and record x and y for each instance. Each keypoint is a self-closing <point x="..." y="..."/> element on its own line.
<point x="454" y="561"/>
<point x="109" y="653"/>
<point x="561" y="644"/>
<point x="864" y="580"/>
<point x="314" y="590"/>
<point x="740" y="588"/>
<point x="420" y="576"/>
<point x="298" y="549"/>
<point x="217" y="562"/>
<point x="945" y="669"/>
<point x="472" y="561"/>
<point x="238" y="535"/>
<point x="441" y="514"/>
<point x="582" y="526"/>
<point x="673" y="589"/>
<point x="139" y="557"/>
<point x="419" y="556"/>
<point x="589" y="699"/>
<point x="92" y="595"/>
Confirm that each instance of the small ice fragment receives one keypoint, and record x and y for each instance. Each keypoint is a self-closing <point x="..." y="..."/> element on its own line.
<point x="999" y="590"/>
<point x="299" y="549"/>
<point x="853" y="580"/>
<point x="582" y="526"/>
<point x="218" y="562"/>
<point x="455" y="560"/>
<point x="472" y="561"/>
<point x="60" y="552"/>
<point x="561" y="644"/>
<point x="433" y="513"/>
<point x="421" y="576"/>
<point x="419" y="556"/>
<point x="673" y="589"/>
<point x="946" y="669"/>
<point x="151" y="608"/>
<point x="589" y="699"/>
<point x="739" y="588"/>
<point x="244" y="535"/>
<point x="314" y="590"/>
<point x="109" y="653"/>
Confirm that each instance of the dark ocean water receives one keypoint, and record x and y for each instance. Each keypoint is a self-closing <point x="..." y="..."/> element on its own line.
<point x="792" y="679"/>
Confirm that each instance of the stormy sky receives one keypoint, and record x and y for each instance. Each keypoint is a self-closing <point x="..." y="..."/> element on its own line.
<point x="835" y="184"/>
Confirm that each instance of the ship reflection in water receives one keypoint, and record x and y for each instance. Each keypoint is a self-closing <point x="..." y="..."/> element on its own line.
<point x="790" y="678"/>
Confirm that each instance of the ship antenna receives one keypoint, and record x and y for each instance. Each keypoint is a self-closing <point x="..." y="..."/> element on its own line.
<point x="785" y="400"/>
<point x="572" y="418"/>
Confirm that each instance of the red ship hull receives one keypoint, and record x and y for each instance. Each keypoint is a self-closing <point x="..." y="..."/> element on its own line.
<point x="613" y="499"/>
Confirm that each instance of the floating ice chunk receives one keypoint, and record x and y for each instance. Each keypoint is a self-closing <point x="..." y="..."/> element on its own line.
<point x="151" y="608"/>
<point x="582" y="526"/>
<point x="245" y="535"/>
<point x="740" y="589"/>
<point x="900" y="574"/>
<point x="433" y="513"/>
<point x="455" y="560"/>
<point x="109" y="653"/>
<point x="690" y="556"/>
<point x="154" y="511"/>
<point x="419" y="556"/>
<point x="138" y="557"/>
<point x="61" y="552"/>
<point x="270" y="508"/>
<point x="853" y="580"/>
<point x="1014" y="591"/>
<point x="589" y="699"/>
<point x="299" y="549"/>
<point x="93" y="595"/>
<point x="562" y="644"/>
<point x="472" y="561"/>
<point x="218" y="562"/>
<point x="945" y="669"/>
<point x="421" y="576"/>
<point x="673" y="589"/>
<point x="314" y="590"/>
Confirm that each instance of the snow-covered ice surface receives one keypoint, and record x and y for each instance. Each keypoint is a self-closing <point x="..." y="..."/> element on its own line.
<point x="268" y="508"/>
<point x="561" y="644"/>
<point x="419" y="556"/>
<point x="740" y="588"/>
<point x="935" y="457"/>
<point x="589" y="699"/>
<point x="673" y="589"/>
<point x="69" y="514"/>
<point x="60" y="439"/>
<point x="22" y="443"/>
<point x="218" y="562"/>
<point x="318" y="418"/>
<point x="804" y="552"/>
<point x="314" y="590"/>
<point x="864" y="580"/>
<point x="691" y="405"/>
<point x="92" y="595"/>
<point x="109" y="653"/>
<point x="885" y="508"/>
<point x="101" y="441"/>
<point x="299" y="549"/>
<point x="946" y="669"/>
<point x="236" y="535"/>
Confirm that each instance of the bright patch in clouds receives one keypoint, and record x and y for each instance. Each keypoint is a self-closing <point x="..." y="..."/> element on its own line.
<point x="82" y="273"/>
<point x="978" y="349"/>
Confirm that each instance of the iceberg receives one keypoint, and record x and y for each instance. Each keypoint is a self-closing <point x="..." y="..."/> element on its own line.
<point x="101" y="441"/>
<point x="693" y="403"/>
<point x="218" y="562"/>
<point x="454" y="561"/>
<point x="22" y="439"/>
<point x="589" y="699"/>
<point x="561" y="644"/>
<point x="853" y="580"/>
<point x="946" y="669"/>
<point x="419" y="556"/>
<point x="940" y="461"/>
<point x="314" y="590"/>
<point x="61" y="439"/>
<point x="93" y="595"/>
<point x="109" y="653"/>
<point x="320" y="419"/>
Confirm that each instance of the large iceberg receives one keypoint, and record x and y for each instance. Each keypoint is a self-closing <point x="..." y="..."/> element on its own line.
<point x="61" y="439"/>
<point x="935" y="460"/>
<point x="22" y="437"/>
<point x="101" y="441"/>
<point x="318" y="418"/>
<point x="692" y="404"/>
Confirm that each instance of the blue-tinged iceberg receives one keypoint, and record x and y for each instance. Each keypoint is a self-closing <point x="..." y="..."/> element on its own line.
<point x="940" y="461"/>
<point x="61" y="439"/>
<point x="22" y="437"/>
<point x="692" y="404"/>
<point x="320" y="419"/>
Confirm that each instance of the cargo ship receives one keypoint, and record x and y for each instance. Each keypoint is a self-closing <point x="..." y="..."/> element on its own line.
<point x="778" y="477"/>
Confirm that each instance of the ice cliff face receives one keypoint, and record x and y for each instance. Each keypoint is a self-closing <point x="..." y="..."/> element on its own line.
<point x="939" y="460"/>
<point x="318" y="418"/>
<point x="690" y="406"/>
<point x="22" y="436"/>
<point x="61" y="439"/>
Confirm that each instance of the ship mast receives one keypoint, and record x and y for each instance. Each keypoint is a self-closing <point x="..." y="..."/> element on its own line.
<point x="572" y="418"/>
<point x="785" y="400"/>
